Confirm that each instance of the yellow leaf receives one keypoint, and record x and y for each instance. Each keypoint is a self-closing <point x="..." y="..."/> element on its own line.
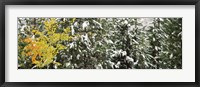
<point x="27" y="40"/>
<point x="60" y="47"/>
<point x="73" y="20"/>
<point x="67" y="30"/>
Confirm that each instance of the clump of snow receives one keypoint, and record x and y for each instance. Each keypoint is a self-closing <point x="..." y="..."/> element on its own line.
<point x="118" y="64"/>
<point x="67" y="64"/>
<point x="71" y="45"/>
<point x="99" y="66"/>
<point x="124" y="53"/>
<point x="111" y="64"/>
<point x="85" y="24"/>
<point x="76" y="24"/>
<point x="72" y="30"/>
<point x="78" y="57"/>
<point x="97" y="24"/>
<point x="129" y="59"/>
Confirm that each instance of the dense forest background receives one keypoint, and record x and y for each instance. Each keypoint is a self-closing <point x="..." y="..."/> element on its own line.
<point x="99" y="43"/>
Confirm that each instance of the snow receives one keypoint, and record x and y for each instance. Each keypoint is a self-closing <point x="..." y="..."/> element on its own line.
<point x="76" y="24"/>
<point x="124" y="53"/>
<point x="85" y="39"/>
<point x="118" y="64"/>
<point x="146" y="64"/>
<point x="64" y="56"/>
<point x="67" y="64"/>
<point x="55" y="66"/>
<point x="180" y="34"/>
<point x="135" y="63"/>
<point x="100" y="43"/>
<point x="125" y="22"/>
<point x="33" y="37"/>
<point x="156" y="48"/>
<point x="72" y="30"/>
<point x="71" y="45"/>
<point x="98" y="24"/>
<point x="82" y="38"/>
<point x="22" y="28"/>
<point x="85" y="24"/>
<point x="111" y="64"/>
<point x="135" y="41"/>
<point x="171" y="56"/>
<point x="99" y="66"/>
<point x="146" y="21"/>
<point x="78" y="56"/>
<point x="70" y="57"/>
<point x="108" y="41"/>
<point x="129" y="59"/>
<point x="93" y="37"/>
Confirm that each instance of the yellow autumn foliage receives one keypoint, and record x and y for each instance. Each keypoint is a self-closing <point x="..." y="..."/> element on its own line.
<point x="44" y="48"/>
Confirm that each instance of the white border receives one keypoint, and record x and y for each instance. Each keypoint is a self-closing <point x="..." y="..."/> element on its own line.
<point x="187" y="74"/>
